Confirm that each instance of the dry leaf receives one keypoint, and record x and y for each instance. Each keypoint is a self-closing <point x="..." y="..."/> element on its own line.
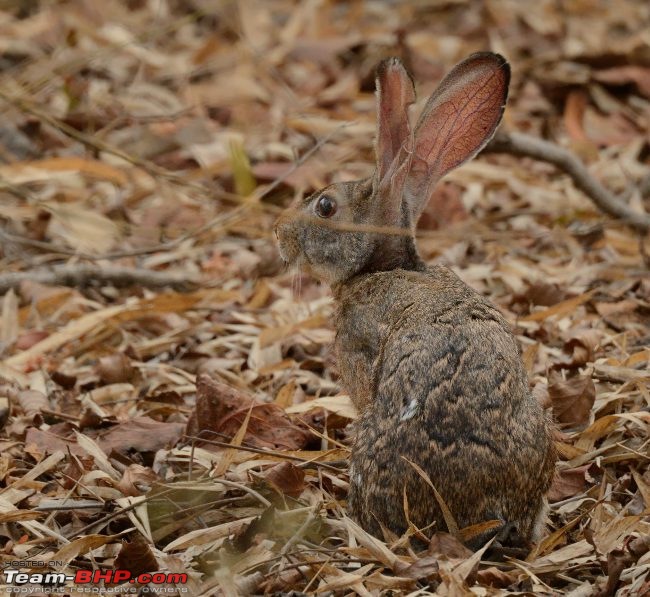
<point x="115" y="368"/>
<point x="571" y="399"/>
<point x="286" y="478"/>
<point x="136" y="556"/>
<point x="221" y="409"/>
<point x="568" y="482"/>
<point x="142" y="434"/>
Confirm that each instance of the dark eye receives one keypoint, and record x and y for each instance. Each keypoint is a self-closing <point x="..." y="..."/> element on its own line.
<point x="325" y="207"/>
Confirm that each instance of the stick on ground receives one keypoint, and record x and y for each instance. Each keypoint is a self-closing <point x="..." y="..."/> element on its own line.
<point x="520" y="144"/>
<point x="85" y="275"/>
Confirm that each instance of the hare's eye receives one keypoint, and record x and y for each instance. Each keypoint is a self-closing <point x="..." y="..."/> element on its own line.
<point x="325" y="207"/>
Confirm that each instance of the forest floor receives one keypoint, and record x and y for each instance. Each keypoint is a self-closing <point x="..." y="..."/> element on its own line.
<point x="146" y="148"/>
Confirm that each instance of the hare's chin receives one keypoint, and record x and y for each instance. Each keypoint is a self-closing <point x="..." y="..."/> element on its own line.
<point x="288" y="258"/>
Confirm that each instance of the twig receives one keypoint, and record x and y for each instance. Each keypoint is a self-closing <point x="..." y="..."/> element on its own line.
<point x="87" y="140"/>
<point x="297" y="536"/>
<point x="220" y="220"/>
<point x="83" y="275"/>
<point x="249" y="490"/>
<point x="523" y="145"/>
<point x="307" y="463"/>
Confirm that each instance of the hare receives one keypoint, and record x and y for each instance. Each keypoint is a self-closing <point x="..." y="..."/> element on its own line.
<point x="432" y="366"/>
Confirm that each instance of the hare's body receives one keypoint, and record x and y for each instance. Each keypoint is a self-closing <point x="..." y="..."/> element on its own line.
<point x="431" y="365"/>
<point x="435" y="373"/>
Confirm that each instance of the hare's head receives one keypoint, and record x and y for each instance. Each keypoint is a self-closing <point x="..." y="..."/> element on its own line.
<point x="368" y="225"/>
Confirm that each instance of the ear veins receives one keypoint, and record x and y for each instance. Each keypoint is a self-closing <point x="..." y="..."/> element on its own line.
<point x="458" y="120"/>
<point x="459" y="114"/>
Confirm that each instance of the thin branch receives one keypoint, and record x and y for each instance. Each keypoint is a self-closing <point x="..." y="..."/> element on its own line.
<point x="239" y="212"/>
<point x="523" y="145"/>
<point x="278" y="454"/>
<point x="84" y="275"/>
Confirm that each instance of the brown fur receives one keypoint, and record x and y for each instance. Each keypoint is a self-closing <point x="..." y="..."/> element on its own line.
<point x="431" y="365"/>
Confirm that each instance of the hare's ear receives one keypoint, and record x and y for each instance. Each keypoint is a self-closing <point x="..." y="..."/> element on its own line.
<point x="458" y="120"/>
<point x="395" y="93"/>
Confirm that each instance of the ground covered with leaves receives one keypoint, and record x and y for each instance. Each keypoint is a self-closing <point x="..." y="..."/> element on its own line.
<point x="169" y="399"/>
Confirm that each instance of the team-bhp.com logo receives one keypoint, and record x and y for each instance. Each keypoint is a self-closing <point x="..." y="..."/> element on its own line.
<point x="88" y="581"/>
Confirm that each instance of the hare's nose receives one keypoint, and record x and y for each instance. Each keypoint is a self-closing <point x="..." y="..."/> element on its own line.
<point x="280" y="224"/>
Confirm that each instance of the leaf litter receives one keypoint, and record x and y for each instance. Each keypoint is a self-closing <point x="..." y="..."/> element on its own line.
<point x="205" y="431"/>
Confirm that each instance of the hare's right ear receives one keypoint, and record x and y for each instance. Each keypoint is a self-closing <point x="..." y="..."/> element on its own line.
<point x="395" y="93"/>
<point x="458" y="120"/>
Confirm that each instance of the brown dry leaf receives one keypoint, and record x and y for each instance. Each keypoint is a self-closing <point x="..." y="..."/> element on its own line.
<point x="284" y="397"/>
<point x="222" y="409"/>
<point x="623" y="75"/>
<point x="445" y="545"/>
<point x="82" y="228"/>
<point x="286" y="478"/>
<point x="73" y="331"/>
<point x="115" y="368"/>
<point x="136" y="556"/>
<point x="33" y="402"/>
<point x="83" y="545"/>
<point x="544" y="295"/>
<point x="9" y="327"/>
<point x="571" y="399"/>
<point x="493" y="577"/>
<point x="43" y="168"/>
<point x="582" y="346"/>
<point x="424" y="567"/>
<point x="598" y="429"/>
<point x="560" y="309"/>
<point x="444" y="208"/>
<point x="27" y="339"/>
<point x="19" y="515"/>
<point x="611" y="534"/>
<point x="136" y="480"/>
<point x="574" y="110"/>
<point x="568" y="482"/>
<point x="339" y="405"/>
<point x="474" y="530"/>
<point x="142" y="434"/>
<point x="47" y="442"/>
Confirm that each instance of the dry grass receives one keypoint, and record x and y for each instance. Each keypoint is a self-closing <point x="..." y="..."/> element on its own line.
<point x="164" y="136"/>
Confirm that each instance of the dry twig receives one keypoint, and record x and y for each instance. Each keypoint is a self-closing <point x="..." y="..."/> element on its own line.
<point x="520" y="144"/>
<point x="84" y="275"/>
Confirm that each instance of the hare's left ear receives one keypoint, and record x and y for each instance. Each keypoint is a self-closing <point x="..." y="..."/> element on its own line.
<point x="395" y="93"/>
<point x="457" y="122"/>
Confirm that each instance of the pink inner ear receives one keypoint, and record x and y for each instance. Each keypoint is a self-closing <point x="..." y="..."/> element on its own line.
<point x="395" y="95"/>
<point x="458" y="120"/>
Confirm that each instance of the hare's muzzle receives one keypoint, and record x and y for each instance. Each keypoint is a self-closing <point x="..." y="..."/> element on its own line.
<point x="287" y="236"/>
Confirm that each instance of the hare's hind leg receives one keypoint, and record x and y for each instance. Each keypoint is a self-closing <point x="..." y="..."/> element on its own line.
<point x="539" y="524"/>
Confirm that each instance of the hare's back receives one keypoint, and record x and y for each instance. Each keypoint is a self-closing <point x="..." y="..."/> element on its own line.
<point x="424" y="344"/>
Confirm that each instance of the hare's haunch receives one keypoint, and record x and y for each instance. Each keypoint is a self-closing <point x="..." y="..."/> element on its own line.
<point x="431" y="365"/>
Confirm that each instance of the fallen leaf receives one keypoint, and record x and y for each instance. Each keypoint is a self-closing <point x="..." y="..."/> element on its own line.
<point x="286" y="478"/>
<point x="447" y="546"/>
<point x="568" y="482"/>
<point x="493" y="577"/>
<point x="136" y="480"/>
<point x="623" y="75"/>
<point x="571" y="399"/>
<point x="221" y="409"/>
<point x="115" y="368"/>
<point x="142" y="434"/>
<point x="136" y="556"/>
<point x="33" y="402"/>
